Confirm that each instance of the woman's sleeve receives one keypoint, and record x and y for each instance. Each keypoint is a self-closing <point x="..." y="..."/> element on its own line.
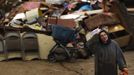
<point x="120" y="58"/>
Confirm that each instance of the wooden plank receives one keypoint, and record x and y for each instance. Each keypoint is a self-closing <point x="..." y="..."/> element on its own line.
<point x="64" y="22"/>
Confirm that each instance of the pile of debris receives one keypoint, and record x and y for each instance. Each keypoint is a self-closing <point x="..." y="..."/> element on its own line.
<point x="70" y="24"/>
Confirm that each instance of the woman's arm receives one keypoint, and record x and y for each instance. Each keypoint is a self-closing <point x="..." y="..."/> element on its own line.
<point x="120" y="58"/>
<point x="121" y="61"/>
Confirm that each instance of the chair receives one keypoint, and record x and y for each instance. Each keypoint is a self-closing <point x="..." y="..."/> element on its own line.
<point x="2" y="50"/>
<point x="13" y="43"/>
<point x="30" y="44"/>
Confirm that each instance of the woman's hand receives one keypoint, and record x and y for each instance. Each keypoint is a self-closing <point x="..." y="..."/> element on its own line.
<point x="124" y="71"/>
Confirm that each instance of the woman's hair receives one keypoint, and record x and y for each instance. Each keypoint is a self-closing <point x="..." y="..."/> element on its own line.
<point x="109" y="39"/>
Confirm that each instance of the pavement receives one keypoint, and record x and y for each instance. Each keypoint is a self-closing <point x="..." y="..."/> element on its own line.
<point x="43" y="67"/>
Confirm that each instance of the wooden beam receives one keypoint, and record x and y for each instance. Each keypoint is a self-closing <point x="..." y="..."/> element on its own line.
<point x="130" y="10"/>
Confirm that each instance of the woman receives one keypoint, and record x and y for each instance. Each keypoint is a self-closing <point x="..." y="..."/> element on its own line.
<point x="108" y="55"/>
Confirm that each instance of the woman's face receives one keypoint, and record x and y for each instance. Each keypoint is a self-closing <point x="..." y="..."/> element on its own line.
<point x="104" y="37"/>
